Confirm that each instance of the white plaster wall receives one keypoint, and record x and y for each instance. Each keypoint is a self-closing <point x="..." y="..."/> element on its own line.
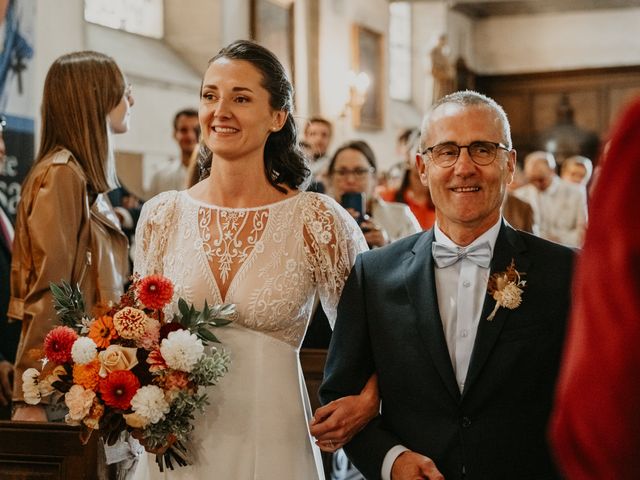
<point x="336" y="18"/>
<point x="235" y="20"/>
<point x="460" y="32"/>
<point x="429" y="22"/>
<point x="536" y="43"/>
<point x="193" y="29"/>
<point x="59" y="29"/>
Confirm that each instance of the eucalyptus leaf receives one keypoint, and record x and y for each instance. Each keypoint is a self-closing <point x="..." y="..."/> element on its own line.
<point x="207" y="335"/>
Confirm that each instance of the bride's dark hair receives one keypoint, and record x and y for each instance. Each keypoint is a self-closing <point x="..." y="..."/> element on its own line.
<point x="284" y="162"/>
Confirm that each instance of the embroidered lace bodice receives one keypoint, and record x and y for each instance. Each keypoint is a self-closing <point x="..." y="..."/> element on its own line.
<point x="270" y="260"/>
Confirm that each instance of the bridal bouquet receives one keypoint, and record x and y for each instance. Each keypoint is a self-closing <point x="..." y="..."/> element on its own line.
<point x="129" y="369"/>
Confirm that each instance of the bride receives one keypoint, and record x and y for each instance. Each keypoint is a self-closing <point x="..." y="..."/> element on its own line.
<point x="248" y="235"/>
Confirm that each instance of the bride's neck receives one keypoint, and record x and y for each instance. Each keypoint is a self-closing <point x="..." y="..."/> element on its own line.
<point x="233" y="186"/>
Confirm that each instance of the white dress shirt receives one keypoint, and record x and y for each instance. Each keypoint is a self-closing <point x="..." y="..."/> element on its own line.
<point x="461" y="290"/>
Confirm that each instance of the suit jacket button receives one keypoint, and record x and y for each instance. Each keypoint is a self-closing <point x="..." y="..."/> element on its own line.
<point x="466" y="422"/>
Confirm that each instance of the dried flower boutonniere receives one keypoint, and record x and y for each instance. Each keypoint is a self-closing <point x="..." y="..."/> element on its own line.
<point x="506" y="289"/>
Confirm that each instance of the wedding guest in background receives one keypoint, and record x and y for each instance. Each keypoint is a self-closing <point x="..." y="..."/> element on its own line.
<point x="411" y="190"/>
<point x="352" y="169"/>
<point x="577" y="169"/>
<point x="596" y="420"/>
<point x="317" y="137"/>
<point x="518" y="213"/>
<point x="413" y="312"/>
<point x="9" y="332"/>
<point x="559" y="207"/>
<point x="66" y="228"/>
<point x="173" y="174"/>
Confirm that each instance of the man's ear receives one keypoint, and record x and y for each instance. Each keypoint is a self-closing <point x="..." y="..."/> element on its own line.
<point x="423" y="169"/>
<point x="511" y="165"/>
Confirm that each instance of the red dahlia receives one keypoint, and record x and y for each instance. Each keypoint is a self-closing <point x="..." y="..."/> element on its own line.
<point x="58" y="343"/>
<point x="118" y="388"/>
<point x="155" y="291"/>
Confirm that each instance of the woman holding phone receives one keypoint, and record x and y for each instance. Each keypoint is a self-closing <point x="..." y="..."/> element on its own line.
<point x="352" y="178"/>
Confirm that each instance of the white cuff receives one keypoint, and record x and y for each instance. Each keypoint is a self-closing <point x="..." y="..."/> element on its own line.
<point x="389" y="460"/>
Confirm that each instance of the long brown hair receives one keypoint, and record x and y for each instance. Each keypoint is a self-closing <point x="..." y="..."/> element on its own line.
<point x="80" y="90"/>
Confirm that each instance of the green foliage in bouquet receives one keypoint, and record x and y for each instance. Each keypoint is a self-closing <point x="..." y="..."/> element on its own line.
<point x="201" y="323"/>
<point x="69" y="304"/>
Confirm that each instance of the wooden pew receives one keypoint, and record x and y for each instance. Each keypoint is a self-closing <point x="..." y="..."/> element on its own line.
<point x="46" y="451"/>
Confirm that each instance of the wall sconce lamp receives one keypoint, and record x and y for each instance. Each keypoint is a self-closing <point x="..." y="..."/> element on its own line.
<point x="358" y="83"/>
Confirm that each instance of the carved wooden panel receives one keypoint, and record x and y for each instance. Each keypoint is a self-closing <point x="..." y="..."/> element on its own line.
<point x="530" y="100"/>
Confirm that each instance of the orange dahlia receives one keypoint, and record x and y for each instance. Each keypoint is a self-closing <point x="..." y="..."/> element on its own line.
<point x="175" y="381"/>
<point x="118" y="388"/>
<point x="156" y="362"/>
<point x="102" y="331"/>
<point x="155" y="291"/>
<point x="87" y="375"/>
<point x="58" y="343"/>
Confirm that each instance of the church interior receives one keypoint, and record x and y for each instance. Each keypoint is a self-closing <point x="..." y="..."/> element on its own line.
<point x="563" y="70"/>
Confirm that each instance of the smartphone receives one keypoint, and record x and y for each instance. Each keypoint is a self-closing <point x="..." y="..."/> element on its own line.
<point x="356" y="201"/>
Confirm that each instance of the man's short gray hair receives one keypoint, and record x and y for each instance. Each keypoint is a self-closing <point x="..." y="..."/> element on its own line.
<point x="469" y="98"/>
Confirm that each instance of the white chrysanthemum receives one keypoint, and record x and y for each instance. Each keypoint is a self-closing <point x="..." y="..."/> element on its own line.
<point x="510" y="297"/>
<point x="84" y="350"/>
<point x="30" y="388"/>
<point x="181" y="350"/>
<point x="149" y="403"/>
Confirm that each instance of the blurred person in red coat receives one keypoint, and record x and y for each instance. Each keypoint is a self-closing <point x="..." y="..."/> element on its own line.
<point x="595" y="428"/>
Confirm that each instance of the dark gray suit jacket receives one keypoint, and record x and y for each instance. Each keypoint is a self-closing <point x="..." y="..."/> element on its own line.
<point x="389" y="323"/>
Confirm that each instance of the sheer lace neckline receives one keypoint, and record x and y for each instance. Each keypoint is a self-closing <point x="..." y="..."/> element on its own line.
<point x="212" y="206"/>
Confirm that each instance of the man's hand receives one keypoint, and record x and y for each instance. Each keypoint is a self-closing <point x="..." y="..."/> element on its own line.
<point x="336" y="423"/>
<point x="6" y="380"/>
<point x="412" y="466"/>
<point x="29" y="413"/>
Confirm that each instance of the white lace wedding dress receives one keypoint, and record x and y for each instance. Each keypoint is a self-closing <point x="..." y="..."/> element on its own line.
<point x="270" y="261"/>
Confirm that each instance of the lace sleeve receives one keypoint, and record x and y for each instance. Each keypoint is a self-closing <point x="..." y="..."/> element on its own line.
<point x="332" y="241"/>
<point x="151" y="233"/>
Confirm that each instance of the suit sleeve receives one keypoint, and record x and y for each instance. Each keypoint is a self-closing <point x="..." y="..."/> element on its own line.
<point x="350" y="363"/>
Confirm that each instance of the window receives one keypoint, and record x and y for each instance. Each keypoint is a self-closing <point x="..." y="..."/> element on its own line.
<point x="400" y="51"/>
<point x="144" y="17"/>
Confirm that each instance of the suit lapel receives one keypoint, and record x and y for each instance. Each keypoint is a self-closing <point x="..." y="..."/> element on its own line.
<point x="509" y="246"/>
<point x="421" y="288"/>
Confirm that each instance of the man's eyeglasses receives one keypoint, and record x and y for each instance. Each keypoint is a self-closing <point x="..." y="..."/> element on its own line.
<point x="446" y="154"/>
<point x="359" y="173"/>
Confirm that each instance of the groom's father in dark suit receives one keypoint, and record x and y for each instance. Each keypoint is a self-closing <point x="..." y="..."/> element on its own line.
<point x="463" y="324"/>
